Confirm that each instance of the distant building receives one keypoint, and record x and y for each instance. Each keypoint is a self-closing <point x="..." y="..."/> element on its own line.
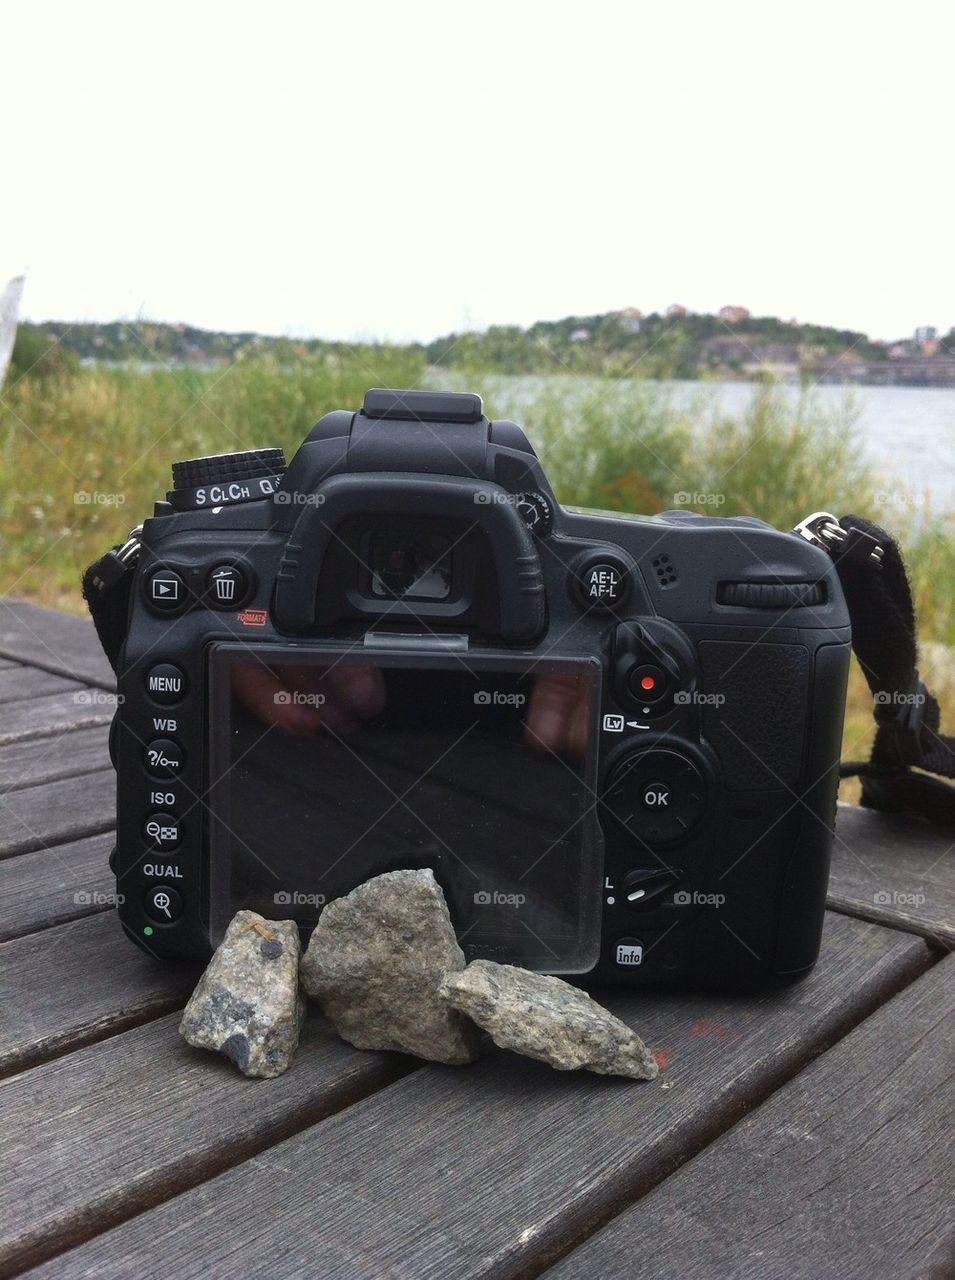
<point x="581" y="335"/>
<point x="925" y="333"/>
<point x="629" y="319"/>
<point x="675" y="311"/>
<point x="930" y="347"/>
<point x="734" y="315"/>
<point x="899" y="351"/>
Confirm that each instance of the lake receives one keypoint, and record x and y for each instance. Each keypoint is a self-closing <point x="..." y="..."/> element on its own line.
<point x="908" y="432"/>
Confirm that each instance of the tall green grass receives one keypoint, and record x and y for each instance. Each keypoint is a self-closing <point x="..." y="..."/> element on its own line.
<point x="84" y="452"/>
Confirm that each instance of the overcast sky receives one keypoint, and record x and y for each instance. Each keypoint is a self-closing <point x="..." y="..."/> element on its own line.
<point x="401" y="170"/>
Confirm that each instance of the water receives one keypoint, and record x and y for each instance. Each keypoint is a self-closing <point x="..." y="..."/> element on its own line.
<point x="907" y="432"/>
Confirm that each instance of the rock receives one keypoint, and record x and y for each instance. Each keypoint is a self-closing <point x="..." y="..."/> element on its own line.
<point x="548" y="1019"/>
<point x="248" y="1005"/>
<point x="375" y="961"/>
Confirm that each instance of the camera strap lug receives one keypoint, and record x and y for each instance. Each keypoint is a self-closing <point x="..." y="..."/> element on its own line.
<point x="823" y="530"/>
<point x="112" y="567"/>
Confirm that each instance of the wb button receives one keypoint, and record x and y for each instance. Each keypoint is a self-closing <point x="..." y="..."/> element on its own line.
<point x="656" y="795"/>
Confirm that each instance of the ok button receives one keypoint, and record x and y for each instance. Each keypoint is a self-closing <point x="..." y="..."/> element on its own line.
<point x="656" y="795"/>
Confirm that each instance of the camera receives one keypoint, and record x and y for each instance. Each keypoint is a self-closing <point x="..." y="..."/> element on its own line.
<point x="614" y="739"/>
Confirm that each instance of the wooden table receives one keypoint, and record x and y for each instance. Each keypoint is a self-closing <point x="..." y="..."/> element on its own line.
<point x="795" y="1134"/>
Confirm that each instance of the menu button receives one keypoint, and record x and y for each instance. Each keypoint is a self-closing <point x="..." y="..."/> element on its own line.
<point x="166" y="684"/>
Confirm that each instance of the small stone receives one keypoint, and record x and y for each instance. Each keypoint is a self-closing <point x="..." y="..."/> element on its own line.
<point x="247" y="1005"/>
<point x="375" y="961"/>
<point x="548" y="1019"/>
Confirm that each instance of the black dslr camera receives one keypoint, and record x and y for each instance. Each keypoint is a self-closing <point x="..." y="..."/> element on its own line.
<point x="614" y="739"/>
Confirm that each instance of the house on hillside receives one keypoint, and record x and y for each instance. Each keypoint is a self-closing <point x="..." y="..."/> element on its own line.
<point x="629" y="319"/>
<point x="734" y="315"/>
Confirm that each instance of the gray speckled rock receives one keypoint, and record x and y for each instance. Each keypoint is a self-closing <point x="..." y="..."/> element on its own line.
<point x="248" y="1005"/>
<point x="548" y="1019"/>
<point x="375" y="961"/>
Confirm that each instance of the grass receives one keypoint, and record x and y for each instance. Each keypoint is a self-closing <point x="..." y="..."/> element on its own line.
<point x="84" y="452"/>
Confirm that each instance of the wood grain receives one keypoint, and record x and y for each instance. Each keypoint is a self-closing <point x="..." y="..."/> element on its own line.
<point x="152" y="1117"/>
<point x="55" y="713"/>
<point x="494" y="1169"/>
<point x="50" y="886"/>
<point x="21" y="682"/>
<point x="37" y="817"/>
<point x="54" y="756"/>
<point x="78" y="983"/>
<point x="844" y="1172"/>
<point x="54" y="641"/>
<point x="895" y="871"/>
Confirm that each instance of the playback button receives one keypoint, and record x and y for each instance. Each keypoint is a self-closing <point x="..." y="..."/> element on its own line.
<point x="165" y="591"/>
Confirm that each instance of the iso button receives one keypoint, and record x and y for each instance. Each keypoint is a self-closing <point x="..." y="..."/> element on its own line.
<point x="163" y="832"/>
<point x="601" y="582"/>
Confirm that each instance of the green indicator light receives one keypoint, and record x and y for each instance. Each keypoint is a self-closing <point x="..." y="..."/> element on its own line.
<point x="148" y="930"/>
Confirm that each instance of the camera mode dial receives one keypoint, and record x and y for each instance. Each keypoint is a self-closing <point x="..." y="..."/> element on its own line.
<point x="225" y="479"/>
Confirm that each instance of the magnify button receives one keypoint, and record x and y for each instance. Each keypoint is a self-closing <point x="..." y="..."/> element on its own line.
<point x="163" y="903"/>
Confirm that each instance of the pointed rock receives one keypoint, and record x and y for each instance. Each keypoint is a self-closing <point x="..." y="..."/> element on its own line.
<point x="247" y="1004"/>
<point x="375" y="961"/>
<point x="548" y="1019"/>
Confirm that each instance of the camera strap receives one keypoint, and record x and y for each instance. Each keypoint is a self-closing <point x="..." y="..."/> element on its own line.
<point x="876" y="587"/>
<point x="884" y="640"/>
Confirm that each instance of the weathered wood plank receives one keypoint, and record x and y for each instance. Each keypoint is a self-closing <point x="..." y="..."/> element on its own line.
<point x="63" y="755"/>
<point x="77" y="983"/>
<point x="55" y="641"/>
<point x="151" y="1117"/>
<point x="20" y="683"/>
<point x="894" y="871"/>
<point x="51" y="886"/>
<point x="55" y="713"/>
<point x="844" y="1172"/>
<point x="37" y="817"/>
<point x="494" y="1169"/>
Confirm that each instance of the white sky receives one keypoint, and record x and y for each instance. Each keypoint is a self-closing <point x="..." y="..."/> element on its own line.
<point x="399" y="170"/>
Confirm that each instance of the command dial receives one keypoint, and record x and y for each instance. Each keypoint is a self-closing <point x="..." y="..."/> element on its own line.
<point x="225" y="478"/>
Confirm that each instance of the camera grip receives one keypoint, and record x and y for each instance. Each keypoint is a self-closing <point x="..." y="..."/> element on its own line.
<point x="485" y="505"/>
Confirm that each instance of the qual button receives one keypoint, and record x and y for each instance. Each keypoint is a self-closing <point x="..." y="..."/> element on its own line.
<point x="163" y="903"/>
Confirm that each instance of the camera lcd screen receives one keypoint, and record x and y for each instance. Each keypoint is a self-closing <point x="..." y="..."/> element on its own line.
<point x="327" y="769"/>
